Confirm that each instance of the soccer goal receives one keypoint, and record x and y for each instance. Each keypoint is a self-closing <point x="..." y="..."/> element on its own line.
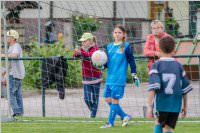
<point x="49" y="32"/>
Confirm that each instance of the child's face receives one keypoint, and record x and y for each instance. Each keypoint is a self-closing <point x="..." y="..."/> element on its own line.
<point x="118" y="35"/>
<point x="86" y="43"/>
<point x="156" y="29"/>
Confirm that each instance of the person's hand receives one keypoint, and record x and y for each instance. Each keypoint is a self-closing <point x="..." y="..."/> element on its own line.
<point x="101" y="67"/>
<point x="3" y="82"/>
<point x="136" y="80"/>
<point x="149" y="112"/>
<point x="157" y="54"/>
<point x="183" y="113"/>
<point x="77" y="52"/>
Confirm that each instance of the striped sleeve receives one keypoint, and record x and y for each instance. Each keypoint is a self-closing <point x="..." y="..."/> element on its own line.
<point x="154" y="79"/>
<point x="186" y="86"/>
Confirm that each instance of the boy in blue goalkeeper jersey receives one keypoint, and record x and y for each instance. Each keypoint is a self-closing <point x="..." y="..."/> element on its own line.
<point x="169" y="85"/>
<point x="119" y="55"/>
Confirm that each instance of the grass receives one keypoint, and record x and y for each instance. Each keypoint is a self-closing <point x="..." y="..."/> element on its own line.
<point x="88" y="127"/>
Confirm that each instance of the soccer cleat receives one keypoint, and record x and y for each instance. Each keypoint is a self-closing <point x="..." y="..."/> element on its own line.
<point x="107" y="125"/>
<point x="126" y="120"/>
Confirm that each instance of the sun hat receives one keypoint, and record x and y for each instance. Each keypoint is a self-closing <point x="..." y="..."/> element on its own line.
<point x="13" y="33"/>
<point x="86" y="36"/>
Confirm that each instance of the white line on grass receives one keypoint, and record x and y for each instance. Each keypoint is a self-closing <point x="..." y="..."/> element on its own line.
<point x="89" y="121"/>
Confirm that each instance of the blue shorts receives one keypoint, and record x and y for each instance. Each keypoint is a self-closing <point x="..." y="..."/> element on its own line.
<point x="113" y="91"/>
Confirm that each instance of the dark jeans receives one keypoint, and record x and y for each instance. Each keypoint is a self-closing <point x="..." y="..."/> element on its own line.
<point x="91" y="97"/>
<point x="16" y="95"/>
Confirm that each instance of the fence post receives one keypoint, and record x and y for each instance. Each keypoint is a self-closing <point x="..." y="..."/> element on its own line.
<point x="43" y="102"/>
<point x="43" y="99"/>
<point x="199" y="77"/>
<point x="39" y="25"/>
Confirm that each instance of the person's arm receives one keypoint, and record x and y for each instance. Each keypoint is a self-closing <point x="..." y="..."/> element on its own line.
<point x="15" y="52"/>
<point x="148" y="51"/>
<point x="14" y="55"/>
<point x="150" y="98"/>
<point x="130" y="59"/>
<point x="184" y="109"/>
<point x="76" y="52"/>
<point x="88" y="53"/>
<point x="154" y="84"/>
<point x="186" y="88"/>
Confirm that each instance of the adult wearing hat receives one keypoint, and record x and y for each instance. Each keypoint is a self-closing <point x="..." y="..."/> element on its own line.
<point x="16" y="72"/>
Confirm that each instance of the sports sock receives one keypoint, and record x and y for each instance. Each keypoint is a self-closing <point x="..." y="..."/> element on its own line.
<point x="112" y="114"/>
<point x="120" y="111"/>
<point x="157" y="128"/>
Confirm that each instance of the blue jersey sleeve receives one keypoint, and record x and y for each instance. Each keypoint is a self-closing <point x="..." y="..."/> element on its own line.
<point x="130" y="59"/>
<point x="186" y="86"/>
<point x="154" y="79"/>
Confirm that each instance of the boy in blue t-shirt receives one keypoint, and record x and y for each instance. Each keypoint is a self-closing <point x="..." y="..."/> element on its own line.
<point x="168" y="86"/>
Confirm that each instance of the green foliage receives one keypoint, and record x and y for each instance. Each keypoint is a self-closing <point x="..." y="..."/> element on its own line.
<point x="171" y="26"/>
<point x="84" y="24"/>
<point x="142" y="71"/>
<point x="74" y="76"/>
<point x="33" y="67"/>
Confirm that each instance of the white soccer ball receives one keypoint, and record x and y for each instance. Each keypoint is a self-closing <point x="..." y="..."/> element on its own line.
<point x="99" y="58"/>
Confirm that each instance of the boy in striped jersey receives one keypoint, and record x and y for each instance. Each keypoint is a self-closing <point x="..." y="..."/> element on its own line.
<point x="169" y="85"/>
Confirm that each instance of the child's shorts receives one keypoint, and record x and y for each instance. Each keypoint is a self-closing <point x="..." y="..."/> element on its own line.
<point x="167" y="118"/>
<point x="113" y="91"/>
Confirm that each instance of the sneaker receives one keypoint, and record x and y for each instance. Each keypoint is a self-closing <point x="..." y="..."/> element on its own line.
<point x="90" y="115"/>
<point x="17" y="115"/>
<point x="126" y="120"/>
<point x="107" y="125"/>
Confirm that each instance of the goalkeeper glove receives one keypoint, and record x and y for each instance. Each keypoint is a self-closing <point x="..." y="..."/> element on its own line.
<point x="135" y="80"/>
<point x="101" y="67"/>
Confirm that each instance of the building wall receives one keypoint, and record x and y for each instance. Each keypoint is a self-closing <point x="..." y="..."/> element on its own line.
<point x="64" y="9"/>
<point x="104" y="9"/>
<point x="181" y="14"/>
<point x="33" y="13"/>
<point x="133" y="9"/>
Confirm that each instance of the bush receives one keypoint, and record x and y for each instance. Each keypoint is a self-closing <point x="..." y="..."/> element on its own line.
<point x="84" y="24"/>
<point x="33" y="67"/>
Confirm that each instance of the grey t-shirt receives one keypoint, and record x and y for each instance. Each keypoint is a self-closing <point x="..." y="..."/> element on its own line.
<point x="16" y="67"/>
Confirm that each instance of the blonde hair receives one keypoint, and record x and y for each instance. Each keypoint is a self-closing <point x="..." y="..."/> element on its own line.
<point x="157" y="22"/>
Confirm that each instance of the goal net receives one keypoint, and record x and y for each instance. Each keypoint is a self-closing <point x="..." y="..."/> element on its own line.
<point x="49" y="32"/>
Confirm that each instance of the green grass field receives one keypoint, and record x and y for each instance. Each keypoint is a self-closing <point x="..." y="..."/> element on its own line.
<point x="89" y="127"/>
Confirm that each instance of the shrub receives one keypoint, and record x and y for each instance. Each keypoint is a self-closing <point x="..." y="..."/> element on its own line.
<point x="84" y="24"/>
<point x="33" y="67"/>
